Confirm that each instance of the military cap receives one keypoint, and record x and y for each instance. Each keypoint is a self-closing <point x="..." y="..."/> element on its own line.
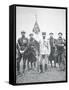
<point x="60" y="33"/>
<point x="31" y="34"/>
<point x="22" y="32"/>
<point x="51" y="33"/>
<point x="43" y="33"/>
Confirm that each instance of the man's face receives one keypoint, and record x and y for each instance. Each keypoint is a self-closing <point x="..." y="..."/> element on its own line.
<point x="60" y="35"/>
<point x="31" y="36"/>
<point x="43" y="37"/>
<point x="51" y="35"/>
<point x="23" y="34"/>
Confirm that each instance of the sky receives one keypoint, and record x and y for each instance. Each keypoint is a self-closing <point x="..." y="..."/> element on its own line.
<point x="49" y="20"/>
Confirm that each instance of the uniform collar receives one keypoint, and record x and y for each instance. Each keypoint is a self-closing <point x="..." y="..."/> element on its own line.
<point x="60" y="38"/>
<point x="51" y="37"/>
<point x="32" y="39"/>
<point x="23" y="37"/>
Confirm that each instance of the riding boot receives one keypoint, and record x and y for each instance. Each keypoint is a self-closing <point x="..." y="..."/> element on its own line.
<point x="18" y="68"/>
<point x="45" y="67"/>
<point x="34" y="64"/>
<point x="38" y="68"/>
<point x="54" y="65"/>
<point x="51" y="65"/>
<point x="41" y="70"/>
<point x="28" y="66"/>
<point x="24" y="68"/>
<point x="31" y="65"/>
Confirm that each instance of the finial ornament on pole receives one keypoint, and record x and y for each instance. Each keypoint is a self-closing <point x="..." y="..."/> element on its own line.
<point x="36" y="17"/>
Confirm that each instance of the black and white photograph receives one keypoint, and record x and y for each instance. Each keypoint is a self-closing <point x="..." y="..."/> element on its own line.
<point x="40" y="44"/>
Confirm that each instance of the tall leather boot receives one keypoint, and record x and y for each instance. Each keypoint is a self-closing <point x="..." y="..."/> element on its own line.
<point x="45" y="67"/>
<point x="24" y="68"/>
<point x="41" y="69"/>
<point x="18" y="68"/>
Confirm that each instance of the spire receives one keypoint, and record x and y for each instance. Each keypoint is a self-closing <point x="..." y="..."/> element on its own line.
<point x="36" y="17"/>
<point x="36" y="28"/>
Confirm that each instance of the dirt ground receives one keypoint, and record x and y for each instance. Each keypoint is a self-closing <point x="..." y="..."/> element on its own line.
<point x="52" y="74"/>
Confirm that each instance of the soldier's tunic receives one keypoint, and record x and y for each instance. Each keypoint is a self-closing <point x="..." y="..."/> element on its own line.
<point x="60" y="49"/>
<point x="33" y="43"/>
<point x="44" y="47"/>
<point x="22" y="44"/>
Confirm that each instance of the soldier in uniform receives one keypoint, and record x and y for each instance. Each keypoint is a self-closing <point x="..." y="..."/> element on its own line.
<point x="60" y="48"/>
<point x="32" y="44"/>
<point x="44" y="52"/>
<point x="64" y="56"/>
<point x="31" y="40"/>
<point x="52" y="47"/>
<point x="22" y="45"/>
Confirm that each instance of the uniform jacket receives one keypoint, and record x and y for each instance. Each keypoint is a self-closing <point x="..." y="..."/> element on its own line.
<point x="44" y="47"/>
<point x="34" y="43"/>
<point x="52" y="41"/>
<point x="60" y="45"/>
<point x="22" y="43"/>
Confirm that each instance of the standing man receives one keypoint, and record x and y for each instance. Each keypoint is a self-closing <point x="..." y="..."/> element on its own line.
<point x="60" y="48"/>
<point x="34" y="46"/>
<point x="31" y="40"/>
<point x="22" y="45"/>
<point x="44" y="52"/>
<point x="52" y="46"/>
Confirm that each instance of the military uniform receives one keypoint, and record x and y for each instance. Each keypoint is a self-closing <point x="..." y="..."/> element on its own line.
<point x="64" y="55"/>
<point x="32" y="45"/>
<point x="32" y="42"/>
<point x="44" y="53"/>
<point x="22" y="44"/>
<point x="60" y="49"/>
<point x="52" y="47"/>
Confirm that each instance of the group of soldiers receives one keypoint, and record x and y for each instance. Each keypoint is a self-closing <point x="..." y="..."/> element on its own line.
<point x="40" y="52"/>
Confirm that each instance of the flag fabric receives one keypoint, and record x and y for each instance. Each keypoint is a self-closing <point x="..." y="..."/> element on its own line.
<point x="36" y="28"/>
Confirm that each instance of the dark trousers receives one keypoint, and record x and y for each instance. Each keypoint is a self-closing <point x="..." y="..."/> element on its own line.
<point x="60" y="57"/>
<point x="52" y="57"/>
